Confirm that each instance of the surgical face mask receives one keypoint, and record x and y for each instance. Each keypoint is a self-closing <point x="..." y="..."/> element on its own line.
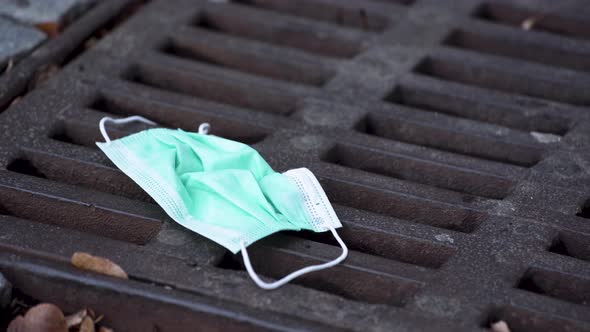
<point x="222" y="189"/>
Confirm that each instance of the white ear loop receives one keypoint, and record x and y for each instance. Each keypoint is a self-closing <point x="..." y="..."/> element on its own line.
<point x="295" y="274"/>
<point x="102" y="122"/>
<point x="204" y="128"/>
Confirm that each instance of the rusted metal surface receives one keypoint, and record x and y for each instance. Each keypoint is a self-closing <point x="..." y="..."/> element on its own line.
<point x="453" y="144"/>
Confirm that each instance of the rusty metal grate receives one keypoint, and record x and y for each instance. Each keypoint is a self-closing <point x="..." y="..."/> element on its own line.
<point x="453" y="144"/>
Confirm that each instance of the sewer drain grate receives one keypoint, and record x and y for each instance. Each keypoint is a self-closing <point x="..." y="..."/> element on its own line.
<point x="452" y="143"/>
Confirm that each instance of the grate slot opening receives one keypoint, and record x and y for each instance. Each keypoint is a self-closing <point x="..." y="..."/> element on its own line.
<point x="63" y="134"/>
<point x="420" y="171"/>
<point x="67" y="171"/>
<point x="463" y="106"/>
<point x="547" y="21"/>
<point x="449" y="140"/>
<point x="397" y="248"/>
<point x="168" y="116"/>
<point x="584" y="210"/>
<point x="571" y="244"/>
<point x="566" y="287"/>
<point x="76" y="133"/>
<point x="5" y="212"/>
<point x="25" y="166"/>
<point x="368" y="286"/>
<point x="560" y="248"/>
<point x="103" y="104"/>
<point x="229" y="261"/>
<point x="517" y="49"/>
<point x="270" y="67"/>
<point x="214" y="88"/>
<point x="403" y="206"/>
<point x="281" y="32"/>
<point x="356" y="17"/>
<point x="33" y="203"/>
<point x="483" y="76"/>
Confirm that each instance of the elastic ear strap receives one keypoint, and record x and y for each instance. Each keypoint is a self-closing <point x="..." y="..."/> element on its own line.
<point x="104" y="120"/>
<point x="297" y="273"/>
<point x="204" y="128"/>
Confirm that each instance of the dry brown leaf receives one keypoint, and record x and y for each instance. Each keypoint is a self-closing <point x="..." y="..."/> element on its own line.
<point x="87" y="325"/>
<point x="50" y="28"/>
<point x="500" y="326"/>
<point x="45" y="317"/>
<point x="76" y="318"/>
<point x="17" y="325"/>
<point x="105" y="329"/>
<point x="97" y="264"/>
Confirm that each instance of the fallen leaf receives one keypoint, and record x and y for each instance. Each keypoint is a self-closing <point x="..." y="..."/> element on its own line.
<point x="97" y="264"/>
<point x="87" y="325"/>
<point x="76" y="318"/>
<point x="45" y="317"/>
<point x="500" y="326"/>
<point x="17" y="325"/>
<point x="105" y="329"/>
<point x="50" y="28"/>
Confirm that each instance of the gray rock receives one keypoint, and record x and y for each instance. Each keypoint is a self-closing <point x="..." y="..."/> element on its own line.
<point x="42" y="11"/>
<point x="5" y="292"/>
<point x="16" y="40"/>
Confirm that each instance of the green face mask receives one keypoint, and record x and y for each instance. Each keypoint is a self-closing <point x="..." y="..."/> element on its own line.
<point x="221" y="189"/>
